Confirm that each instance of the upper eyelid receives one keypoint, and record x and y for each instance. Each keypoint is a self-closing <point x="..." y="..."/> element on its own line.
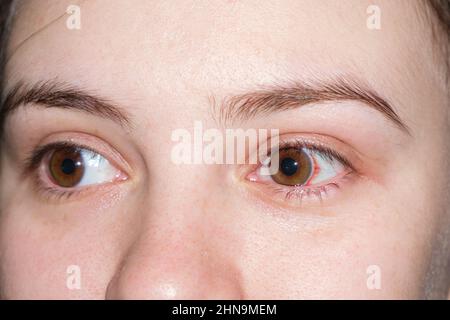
<point x="92" y="141"/>
<point x="328" y="151"/>
<point x="36" y="156"/>
<point x="350" y="158"/>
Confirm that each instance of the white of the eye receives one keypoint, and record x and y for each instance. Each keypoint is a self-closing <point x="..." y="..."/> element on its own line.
<point x="97" y="169"/>
<point x="328" y="168"/>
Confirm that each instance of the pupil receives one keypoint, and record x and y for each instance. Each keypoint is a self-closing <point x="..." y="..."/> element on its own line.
<point x="289" y="166"/>
<point x="68" y="166"/>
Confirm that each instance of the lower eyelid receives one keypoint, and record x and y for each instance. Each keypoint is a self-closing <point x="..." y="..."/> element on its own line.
<point x="299" y="197"/>
<point x="52" y="194"/>
<point x="269" y="182"/>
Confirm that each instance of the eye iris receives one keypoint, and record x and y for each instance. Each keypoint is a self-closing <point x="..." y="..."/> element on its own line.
<point x="66" y="167"/>
<point x="295" y="167"/>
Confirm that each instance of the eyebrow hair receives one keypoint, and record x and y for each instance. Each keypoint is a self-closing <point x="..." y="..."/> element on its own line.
<point x="53" y="94"/>
<point x="297" y="94"/>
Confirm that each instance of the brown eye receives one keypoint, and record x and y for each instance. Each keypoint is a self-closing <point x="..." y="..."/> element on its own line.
<point x="66" y="167"/>
<point x="295" y="167"/>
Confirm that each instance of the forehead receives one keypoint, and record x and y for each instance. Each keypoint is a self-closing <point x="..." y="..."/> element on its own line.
<point x="159" y="46"/>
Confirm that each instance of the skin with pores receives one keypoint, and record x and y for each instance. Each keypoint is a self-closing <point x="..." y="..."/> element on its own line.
<point x="206" y="231"/>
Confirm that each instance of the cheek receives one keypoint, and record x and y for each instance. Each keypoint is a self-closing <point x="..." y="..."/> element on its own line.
<point x="341" y="260"/>
<point x="372" y="246"/>
<point x="32" y="264"/>
<point x="47" y="259"/>
<point x="393" y="228"/>
<point x="305" y="262"/>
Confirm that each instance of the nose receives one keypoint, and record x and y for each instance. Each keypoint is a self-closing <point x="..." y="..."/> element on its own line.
<point x="168" y="266"/>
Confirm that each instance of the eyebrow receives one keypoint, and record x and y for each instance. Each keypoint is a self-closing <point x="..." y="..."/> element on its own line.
<point x="52" y="94"/>
<point x="278" y="98"/>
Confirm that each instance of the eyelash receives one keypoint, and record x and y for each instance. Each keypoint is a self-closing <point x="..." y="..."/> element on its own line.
<point x="33" y="167"/>
<point x="330" y="153"/>
<point x="298" y="193"/>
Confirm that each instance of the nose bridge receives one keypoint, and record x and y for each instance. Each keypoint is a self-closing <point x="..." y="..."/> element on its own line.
<point x="173" y="257"/>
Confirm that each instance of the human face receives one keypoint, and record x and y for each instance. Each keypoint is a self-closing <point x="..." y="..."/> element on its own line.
<point x="149" y="228"/>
